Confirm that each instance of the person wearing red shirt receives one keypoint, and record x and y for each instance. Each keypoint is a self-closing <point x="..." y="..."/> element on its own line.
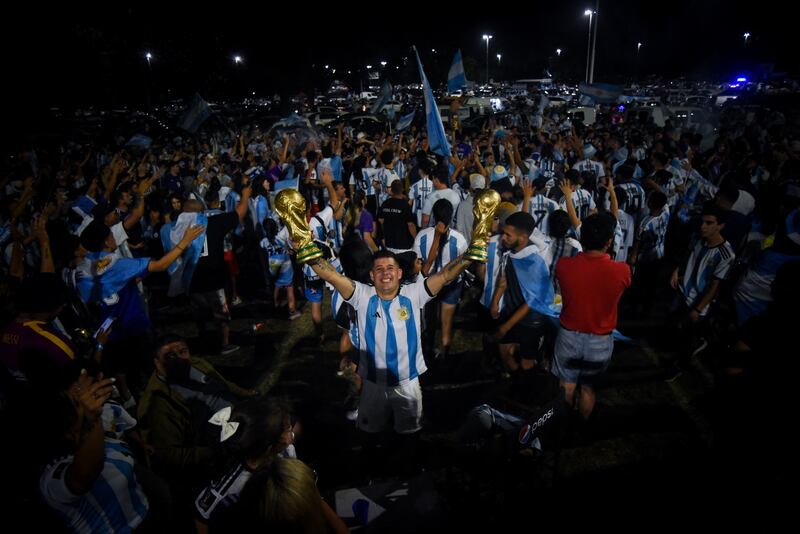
<point x="591" y="286"/>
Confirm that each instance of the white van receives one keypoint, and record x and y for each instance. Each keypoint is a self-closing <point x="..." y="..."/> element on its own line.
<point x="587" y="115"/>
<point x="658" y="114"/>
<point x="687" y="116"/>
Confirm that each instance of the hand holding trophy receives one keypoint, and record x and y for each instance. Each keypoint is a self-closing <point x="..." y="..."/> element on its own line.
<point x="291" y="208"/>
<point x="484" y="208"/>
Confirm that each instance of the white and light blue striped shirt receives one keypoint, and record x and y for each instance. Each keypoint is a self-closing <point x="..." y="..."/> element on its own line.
<point x="390" y="345"/>
<point x="540" y="208"/>
<point x="418" y="194"/>
<point x="652" y="234"/>
<point x="492" y="274"/>
<point x="115" y="503"/>
<point x="455" y="246"/>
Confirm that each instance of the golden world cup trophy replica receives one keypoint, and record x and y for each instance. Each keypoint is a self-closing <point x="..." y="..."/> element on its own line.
<point x="291" y="208"/>
<point x="485" y="207"/>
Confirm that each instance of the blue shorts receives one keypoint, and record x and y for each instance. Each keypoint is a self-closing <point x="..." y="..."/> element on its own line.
<point x="451" y="293"/>
<point x="581" y="358"/>
<point x="285" y="276"/>
<point x="314" y="290"/>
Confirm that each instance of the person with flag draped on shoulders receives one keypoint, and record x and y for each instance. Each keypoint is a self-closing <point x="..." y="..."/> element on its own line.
<point x="201" y="273"/>
<point x="527" y="294"/>
<point x="107" y="280"/>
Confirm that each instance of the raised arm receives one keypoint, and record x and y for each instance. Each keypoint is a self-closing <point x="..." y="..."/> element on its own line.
<point x="327" y="272"/>
<point x="241" y="207"/>
<point x="573" y="215"/>
<point x="451" y="271"/>
<point x="159" y="265"/>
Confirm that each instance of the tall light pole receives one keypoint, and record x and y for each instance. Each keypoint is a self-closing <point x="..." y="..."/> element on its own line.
<point x="638" y="47"/>
<point x="237" y="60"/>
<point x="499" y="57"/>
<point x="746" y="37"/>
<point x="588" y="13"/>
<point x="486" y="38"/>
<point x="148" y="56"/>
<point x="558" y="52"/>
<point x="594" y="40"/>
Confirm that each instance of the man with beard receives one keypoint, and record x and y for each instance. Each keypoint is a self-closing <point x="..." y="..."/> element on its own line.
<point x="181" y="395"/>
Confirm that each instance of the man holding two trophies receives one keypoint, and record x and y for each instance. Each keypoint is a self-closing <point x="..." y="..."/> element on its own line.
<point x="390" y="348"/>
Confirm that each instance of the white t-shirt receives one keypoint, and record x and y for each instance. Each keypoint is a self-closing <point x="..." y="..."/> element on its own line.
<point x="448" y="194"/>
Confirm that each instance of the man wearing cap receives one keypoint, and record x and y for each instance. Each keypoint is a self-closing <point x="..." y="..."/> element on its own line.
<point x="464" y="216"/>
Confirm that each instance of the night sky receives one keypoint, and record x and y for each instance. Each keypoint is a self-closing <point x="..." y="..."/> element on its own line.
<point x="71" y="57"/>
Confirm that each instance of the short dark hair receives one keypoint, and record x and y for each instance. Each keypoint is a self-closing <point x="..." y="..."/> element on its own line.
<point x="660" y="158"/>
<point x="559" y="224"/>
<point x="262" y="421"/>
<point x="384" y="253"/>
<point x="625" y="171"/>
<point x="397" y="187"/>
<point x="712" y="210"/>
<point x="656" y="200"/>
<point x="521" y="221"/>
<point x="597" y="230"/>
<point x="166" y="339"/>
<point x="93" y="237"/>
<point x="442" y="211"/>
<point x="573" y="176"/>
<point x="387" y="156"/>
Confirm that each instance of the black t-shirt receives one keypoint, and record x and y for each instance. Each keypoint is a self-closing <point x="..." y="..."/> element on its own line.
<point x="210" y="273"/>
<point x="396" y="214"/>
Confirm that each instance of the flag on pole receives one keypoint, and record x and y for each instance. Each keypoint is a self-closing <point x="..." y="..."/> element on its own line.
<point x="195" y="115"/>
<point x="456" y="79"/>
<point x="405" y="121"/>
<point x="383" y="99"/>
<point x="437" y="139"/>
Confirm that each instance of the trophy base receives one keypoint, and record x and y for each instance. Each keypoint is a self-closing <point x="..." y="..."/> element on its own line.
<point x="308" y="253"/>
<point x="477" y="253"/>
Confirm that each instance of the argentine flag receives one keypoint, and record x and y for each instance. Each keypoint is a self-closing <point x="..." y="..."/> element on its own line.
<point x="456" y="79"/>
<point x="383" y="99"/>
<point x="437" y="139"/>
<point x="197" y="113"/>
<point x="405" y="121"/>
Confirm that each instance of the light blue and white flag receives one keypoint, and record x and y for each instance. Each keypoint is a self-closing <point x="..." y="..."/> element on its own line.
<point x="292" y="183"/>
<point x="182" y="270"/>
<point x="140" y="140"/>
<point x="601" y="92"/>
<point x="383" y="99"/>
<point x="456" y="79"/>
<point x="405" y="121"/>
<point x="195" y="115"/>
<point x="437" y="139"/>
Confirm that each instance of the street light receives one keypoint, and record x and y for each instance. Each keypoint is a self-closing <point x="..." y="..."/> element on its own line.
<point x="369" y="66"/>
<point x="746" y="37"/>
<point x="588" y="13"/>
<point x="238" y="59"/>
<point x="383" y="63"/>
<point x="499" y="57"/>
<point x="638" y="47"/>
<point x="558" y="52"/>
<point x="486" y="38"/>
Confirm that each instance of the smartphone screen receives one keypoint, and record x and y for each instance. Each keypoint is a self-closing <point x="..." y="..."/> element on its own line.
<point x="104" y="326"/>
